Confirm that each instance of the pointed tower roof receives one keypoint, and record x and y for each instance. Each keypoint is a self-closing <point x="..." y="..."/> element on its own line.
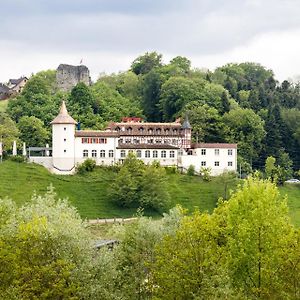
<point x="186" y="124"/>
<point x="63" y="116"/>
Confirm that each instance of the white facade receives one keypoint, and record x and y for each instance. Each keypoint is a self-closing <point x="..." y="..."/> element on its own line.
<point x="168" y="143"/>
<point x="217" y="157"/>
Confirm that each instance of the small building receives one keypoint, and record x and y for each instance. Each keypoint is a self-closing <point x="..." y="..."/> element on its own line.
<point x="168" y="143"/>
<point x="16" y="85"/>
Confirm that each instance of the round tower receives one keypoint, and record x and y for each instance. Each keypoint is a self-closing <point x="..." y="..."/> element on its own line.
<point x="63" y="141"/>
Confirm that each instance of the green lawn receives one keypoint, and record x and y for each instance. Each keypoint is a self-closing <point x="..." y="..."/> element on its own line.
<point x="88" y="193"/>
<point x="3" y="105"/>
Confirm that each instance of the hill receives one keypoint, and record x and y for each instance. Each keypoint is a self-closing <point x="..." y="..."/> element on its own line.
<point x="19" y="181"/>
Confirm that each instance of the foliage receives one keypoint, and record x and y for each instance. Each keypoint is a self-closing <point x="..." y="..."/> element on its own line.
<point x="137" y="185"/>
<point x="191" y="257"/>
<point x="206" y="122"/>
<point x="145" y="63"/>
<point x="41" y="258"/>
<point x="227" y="179"/>
<point x="247" y="129"/>
<point x="87" y="166"/>
<point x="33" y="132"/>
<point x="110" y="105"/>
<point x="270" y="167"/>
<point x="205" y="173"/>
<point x="18" y="158"/>
<point x="257" y="229"/>
<point x="191" y="170"/>
<point x="8" y="132"/>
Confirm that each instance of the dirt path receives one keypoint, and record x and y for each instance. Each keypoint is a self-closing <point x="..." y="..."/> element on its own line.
<point x="111" y="221"/>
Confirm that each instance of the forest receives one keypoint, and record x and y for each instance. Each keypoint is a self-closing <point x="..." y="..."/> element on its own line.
<point x="236" y="103"/>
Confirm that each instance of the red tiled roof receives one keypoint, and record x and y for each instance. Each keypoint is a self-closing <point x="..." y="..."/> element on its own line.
<point x="95" y="133"/>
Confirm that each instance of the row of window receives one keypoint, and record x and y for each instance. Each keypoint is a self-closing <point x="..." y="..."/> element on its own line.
<point x="217" y="152"/>
<point x="149" y="141"/>
<point x="142" y="130"/>
<point x="217" y="164"/>
<point x="102" y="153"/>
<point x="94" y="141"/>
<point x="147" y="154"/>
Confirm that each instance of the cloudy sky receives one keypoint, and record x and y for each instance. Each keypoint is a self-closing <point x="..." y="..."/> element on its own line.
<point x="109" y="34"/>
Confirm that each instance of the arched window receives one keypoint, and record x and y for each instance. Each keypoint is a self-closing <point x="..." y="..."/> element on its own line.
<point x="102" y="153"/>
<point x="85" y="153"/>
<point x="175" y="131"/>
<point x="167" y="130"/>
<point x="94" y="153"/>
<point x="138" y="153"/>
<point x="155" y="153"/>
<point x="141" y="130"/>
<point x="129" y="130"/>
<point x="147" y="153"/>
<point x="150" y="131"/>
<point x="158" y="131"/>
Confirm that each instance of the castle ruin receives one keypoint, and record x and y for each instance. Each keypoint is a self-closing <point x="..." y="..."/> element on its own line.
<point x="68" y="76"/>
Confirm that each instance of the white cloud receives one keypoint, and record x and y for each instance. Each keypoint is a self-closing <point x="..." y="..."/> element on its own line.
<point x="109" y="35"/>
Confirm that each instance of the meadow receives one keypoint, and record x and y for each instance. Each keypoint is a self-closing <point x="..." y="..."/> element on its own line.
<point x="88" y="193"/>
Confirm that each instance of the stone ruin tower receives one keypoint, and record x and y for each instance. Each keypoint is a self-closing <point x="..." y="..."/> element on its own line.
<point x="68" y="76"/>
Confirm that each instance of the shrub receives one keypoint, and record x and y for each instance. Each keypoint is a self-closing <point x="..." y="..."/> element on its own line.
<point x="171" y="170"/>
<point x="191" y="170"/>
<point x="205" y="174"/>
<point x="18" y="158"/>
<point x="87" y="166"/>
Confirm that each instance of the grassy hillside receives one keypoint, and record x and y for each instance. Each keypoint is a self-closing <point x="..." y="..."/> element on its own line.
<point x="88" y="193"/>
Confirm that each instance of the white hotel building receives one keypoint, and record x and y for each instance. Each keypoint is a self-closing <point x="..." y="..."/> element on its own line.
<point x="168" y="143"/>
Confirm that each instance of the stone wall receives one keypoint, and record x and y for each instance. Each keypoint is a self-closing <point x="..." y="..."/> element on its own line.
<point x="68" y="76"/>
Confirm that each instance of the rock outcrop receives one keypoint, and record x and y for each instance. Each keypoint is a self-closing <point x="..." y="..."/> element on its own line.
<point x="68" y="76"/>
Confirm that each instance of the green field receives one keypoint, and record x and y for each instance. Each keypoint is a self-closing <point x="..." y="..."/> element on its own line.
<point x="88" y="192"/>
<point x="3" y="105"/>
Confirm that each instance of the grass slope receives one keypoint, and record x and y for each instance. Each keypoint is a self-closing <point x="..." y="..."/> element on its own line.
<point x="88" y="193"/>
